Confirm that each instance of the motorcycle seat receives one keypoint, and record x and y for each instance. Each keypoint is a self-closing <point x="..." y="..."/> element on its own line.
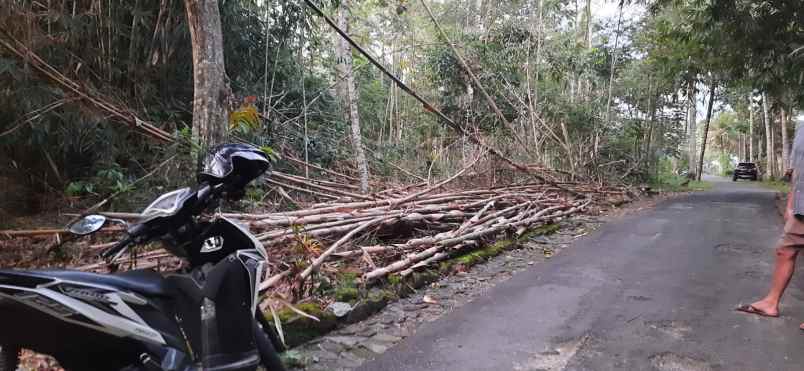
<point x="145" y="281"/>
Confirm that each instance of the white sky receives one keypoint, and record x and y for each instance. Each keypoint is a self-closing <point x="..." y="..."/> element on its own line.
<point x="607" y="9"/>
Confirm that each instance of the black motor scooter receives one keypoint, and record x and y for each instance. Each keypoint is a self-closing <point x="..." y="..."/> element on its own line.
<point x="202" y="318"/>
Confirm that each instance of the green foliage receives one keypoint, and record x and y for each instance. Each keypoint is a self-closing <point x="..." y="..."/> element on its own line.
<point x="668" y="180"/>
<point x="254" y="194"/>
<point x="726" y="165"/>
<point x="273" y="155"/>
<point x="698" y="186"/>
<point x="677" y="183"/>
<point x="680" y="184"/>
<point x="345" y="294"/>
<point x="106" y="181"/>
<point x="79" y="188"/>
<point x="345" y="287"/>
<point x="244" y="118"/>
<point x="113" y="180"/>
<point x="394" y="279"/>
<point x="480" y="255"/>
<point x="547" y="79"/>
<point x="299" y="329"/>
<point x="137" y="56"/>
<point x="776" y="185"/>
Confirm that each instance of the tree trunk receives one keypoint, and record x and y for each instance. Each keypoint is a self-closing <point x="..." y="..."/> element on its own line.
<point x="783" y="116"/>
<point x="769" y="172"/>
<point x="585" y="88"/>
<point x="741" y="147"/>
<point x="132" y="44"/>
<point x="744" y="148"/>
<point x="751" y="157"/>
<point x="210" y="86"/>
<point x="533" y="84"/>
<point x="538" y="53"/>
<point x="611" y="80"/>
<point x="651" y="124"/>
<point x="588" y="37"/>
<point x="706" y="127"/>
<point x="348" y="93"/>
<point x="304" y="106"/>
<point x="692" y="129"/>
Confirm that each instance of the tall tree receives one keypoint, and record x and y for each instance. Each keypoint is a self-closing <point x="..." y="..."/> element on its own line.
<point x="769" y="152"/>
<point x="692" y="129"/>
<point x="611" y="74"/>
<point x="783" y="116"/>
<point x="751" y="157"/>
<point x="348" y="92"/>
<point x="211" y="92"/>
<point x="712" y="88"/>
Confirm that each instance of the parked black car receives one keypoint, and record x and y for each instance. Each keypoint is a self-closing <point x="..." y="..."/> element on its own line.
<point x="745" y="170"/>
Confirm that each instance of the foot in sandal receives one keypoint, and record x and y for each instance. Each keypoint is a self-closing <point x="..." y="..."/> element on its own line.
<point x="759" y="308"/>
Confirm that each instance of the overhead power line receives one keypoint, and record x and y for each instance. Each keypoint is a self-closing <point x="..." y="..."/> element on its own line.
<point x="428" y="106"/>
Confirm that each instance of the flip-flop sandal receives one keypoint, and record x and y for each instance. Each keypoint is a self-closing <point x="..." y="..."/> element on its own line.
<point x="750" y="309"/>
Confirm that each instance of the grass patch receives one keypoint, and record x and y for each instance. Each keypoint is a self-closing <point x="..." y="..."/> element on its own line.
<point x="679" y="184"/>
<point x="697" y="185"/>
<point x="346" y="289"/>
<point x="346" y="294"/>
<point x="776" y="185"/>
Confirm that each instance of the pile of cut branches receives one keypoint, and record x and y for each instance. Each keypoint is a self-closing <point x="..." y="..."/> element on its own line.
<point x="396" y="231"/>
<point x="409" y="230"/>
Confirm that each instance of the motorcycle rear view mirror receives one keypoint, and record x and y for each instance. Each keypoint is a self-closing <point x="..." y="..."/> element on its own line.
<point x="89" y="224"/>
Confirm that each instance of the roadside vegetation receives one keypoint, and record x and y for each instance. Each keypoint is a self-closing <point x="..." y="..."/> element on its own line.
<point x="777" y="185"/>
<point x="681" y="184"/>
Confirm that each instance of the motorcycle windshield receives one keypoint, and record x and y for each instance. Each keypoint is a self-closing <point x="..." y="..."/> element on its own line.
<point x="167" y="204"/>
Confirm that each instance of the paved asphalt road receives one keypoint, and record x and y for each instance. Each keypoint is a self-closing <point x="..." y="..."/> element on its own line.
<point x="652" y="291"/>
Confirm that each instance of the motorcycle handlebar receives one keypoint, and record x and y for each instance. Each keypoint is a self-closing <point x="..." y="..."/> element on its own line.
<point x="117" y="248"/>
<point x="205" y="194"/>
<point x="133" y="233"/>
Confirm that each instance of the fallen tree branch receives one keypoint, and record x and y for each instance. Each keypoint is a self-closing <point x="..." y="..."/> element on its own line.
<point x="321" y="258"/>
<point x="127" y="117"/>
<point x="439" y="185"/>
<point x="440" y="244"/>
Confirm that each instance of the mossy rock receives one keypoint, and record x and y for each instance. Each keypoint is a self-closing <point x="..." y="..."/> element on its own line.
<point x="346" y="294"/>
<point x="294" y="359"/>
<point x="480" y="255"/>
<point x="408" y="284"/>
<point x="372" y="303"/>
<point x="542" y="230"/>
<point x="345" y="287"/>
<point x="299" y="329"/>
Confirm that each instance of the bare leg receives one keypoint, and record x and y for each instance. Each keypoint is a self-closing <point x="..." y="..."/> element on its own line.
<point x="782" y="272"/>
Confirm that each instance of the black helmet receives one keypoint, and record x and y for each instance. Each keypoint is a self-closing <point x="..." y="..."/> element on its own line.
<point x="233" y="164"/>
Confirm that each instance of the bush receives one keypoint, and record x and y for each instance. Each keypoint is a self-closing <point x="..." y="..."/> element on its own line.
<point x="726" y="165"/>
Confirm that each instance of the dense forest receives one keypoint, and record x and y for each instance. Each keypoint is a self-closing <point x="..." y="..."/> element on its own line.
<point x="97" y="93"/>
